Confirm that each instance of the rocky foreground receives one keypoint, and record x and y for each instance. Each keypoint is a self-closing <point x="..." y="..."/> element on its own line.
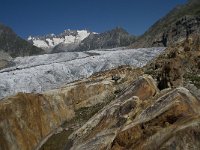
<point x="116" y="109"/>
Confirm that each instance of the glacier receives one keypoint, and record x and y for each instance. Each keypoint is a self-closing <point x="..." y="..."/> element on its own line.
<point x="49" y="71"/>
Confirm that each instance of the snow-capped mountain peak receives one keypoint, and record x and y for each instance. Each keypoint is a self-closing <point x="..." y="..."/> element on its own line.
<point x="48" y="42"/>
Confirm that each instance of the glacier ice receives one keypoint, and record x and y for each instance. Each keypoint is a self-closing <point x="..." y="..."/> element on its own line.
<point x="49" y="71"/>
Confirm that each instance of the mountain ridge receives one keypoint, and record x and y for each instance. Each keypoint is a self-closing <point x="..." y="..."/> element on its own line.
<point x="66" y="41"/>
<point x="178" y="24"/>
<point x="14" y="45"/>
<point x="50" y="41"/>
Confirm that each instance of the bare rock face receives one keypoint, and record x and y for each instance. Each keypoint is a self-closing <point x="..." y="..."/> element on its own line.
<point x="178" y="65"/>
<point x="168" y="122"/>
<point x="102" y="113"/>
<point x="27" y="120"/>
<point x="100" y="130"/>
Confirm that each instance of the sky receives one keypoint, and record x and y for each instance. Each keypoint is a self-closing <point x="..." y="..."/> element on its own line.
<point x="40" y="17"/>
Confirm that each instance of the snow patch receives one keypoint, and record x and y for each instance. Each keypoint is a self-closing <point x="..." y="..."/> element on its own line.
<point x="52" y="40"/>
<point x="40" y="43"/>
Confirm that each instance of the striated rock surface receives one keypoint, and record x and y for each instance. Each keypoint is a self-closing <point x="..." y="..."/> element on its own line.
<point x="170" y="121"/>
<point x="101" y="129"/>
<point x="114" y="109"/>
<point x="27" y="120"/>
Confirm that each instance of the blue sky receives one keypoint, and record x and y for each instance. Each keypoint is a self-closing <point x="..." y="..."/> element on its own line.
<point x="39" y="17"/>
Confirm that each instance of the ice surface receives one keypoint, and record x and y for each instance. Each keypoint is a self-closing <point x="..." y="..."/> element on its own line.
<point x="49" y="71"/>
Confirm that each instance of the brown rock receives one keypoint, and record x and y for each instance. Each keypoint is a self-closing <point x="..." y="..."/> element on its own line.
<point x="100" y="130"/>
<point x="162" y="124"/>
<point x="28" y="120"/>
<point x="176" y="66"/>
<point x="170" y="121"/>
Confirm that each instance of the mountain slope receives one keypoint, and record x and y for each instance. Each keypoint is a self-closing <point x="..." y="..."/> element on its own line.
<point x="92" y="114"/>
<point x="177" y="25"/>
<point x="14" y="45"/>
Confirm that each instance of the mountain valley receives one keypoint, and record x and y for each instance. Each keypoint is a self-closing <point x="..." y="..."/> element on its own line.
<point x="82" y="90"/>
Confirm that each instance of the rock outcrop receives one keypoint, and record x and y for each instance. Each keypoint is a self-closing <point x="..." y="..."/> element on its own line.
<point x="102" y="113"/>
<point x="101" y="129"/>
<point x="178" y="65"/>
<point x="170" y="122"/>
<point x="27" y="119"/>
<point x="163" y="122"/>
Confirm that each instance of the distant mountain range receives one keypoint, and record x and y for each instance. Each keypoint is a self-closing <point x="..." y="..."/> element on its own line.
<point x="67" y="38"/>
<point x="117" y="37"/>
<point x="177" y="25"/>
<point x="82" y="40"/>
